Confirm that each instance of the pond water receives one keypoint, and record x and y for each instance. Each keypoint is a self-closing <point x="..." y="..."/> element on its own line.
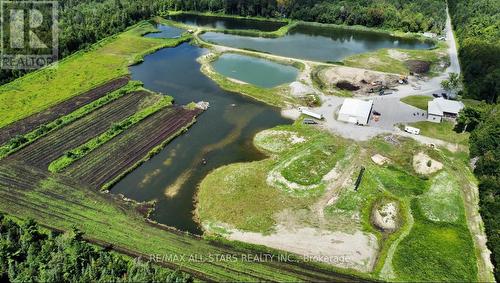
<point x="253" y="70"/>
<point x="227" y="22"/>
<point x="326" y="44"/>
<point x="166" y="32"/>
<point x="222" y="135"/>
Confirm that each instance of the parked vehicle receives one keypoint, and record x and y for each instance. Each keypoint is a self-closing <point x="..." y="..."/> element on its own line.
<point x="309" y="122"/>
<point x="412" y="130"/>
<point x="312" y="114"/>
<point x="436" y="95"/>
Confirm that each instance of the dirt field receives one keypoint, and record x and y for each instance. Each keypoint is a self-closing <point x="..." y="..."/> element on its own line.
<point x="49" y="148"/>
<point x="32" y="122"/>
<point x="121" y="153"/>
<point x="359" y="79"/>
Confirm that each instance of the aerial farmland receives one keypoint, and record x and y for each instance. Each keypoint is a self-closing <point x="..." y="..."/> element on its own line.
<point x="217" y="147"/>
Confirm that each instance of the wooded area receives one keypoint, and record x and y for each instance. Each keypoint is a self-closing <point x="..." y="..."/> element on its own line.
<point x="28" y="254"/>
<point x="477" y="28"/>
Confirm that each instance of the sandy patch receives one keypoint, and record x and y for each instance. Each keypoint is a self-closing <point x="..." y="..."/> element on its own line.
<point x="379" y="159"/>
<point x="278" y="141"/>
<point x="172" y="190"/>
<point x="237" y="81"/>
<point x="398" y="55"/>
<point x="357" y="251"/>
<point x="299" y="89"/>
<point x="425" y="165"/>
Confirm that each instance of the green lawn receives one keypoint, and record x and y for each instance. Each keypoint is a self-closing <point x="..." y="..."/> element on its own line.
<point x="78" y="73"/>
<point x="418" y="101"/>
<point x="443" y="131"/>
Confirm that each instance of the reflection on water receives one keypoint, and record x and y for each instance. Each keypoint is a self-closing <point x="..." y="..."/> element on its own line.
<point x="318" y="43"/>
<point x="222" y="135"/>
<point x="226" y="22"/>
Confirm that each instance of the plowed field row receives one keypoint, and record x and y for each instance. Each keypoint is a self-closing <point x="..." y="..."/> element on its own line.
<point x="45" y="150"/>
<point x="121" y="153"/>
<point x="34" y="121"/>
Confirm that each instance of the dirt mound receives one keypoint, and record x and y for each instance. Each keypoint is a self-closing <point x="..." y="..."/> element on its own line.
<point x="385" y="216"/>
<point x="424" y="165"/>
<point x="418" y="66"/>
<point x="346" y="85"/>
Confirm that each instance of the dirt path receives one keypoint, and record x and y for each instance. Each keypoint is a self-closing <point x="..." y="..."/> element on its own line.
<point x="334" y="189"/>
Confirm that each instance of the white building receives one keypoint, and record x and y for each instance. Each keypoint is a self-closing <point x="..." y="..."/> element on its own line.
<point x="440" y="108"/>
<point x="355" y="111"/>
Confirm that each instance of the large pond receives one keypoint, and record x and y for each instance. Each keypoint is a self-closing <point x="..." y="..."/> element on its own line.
<point x="326" y="44"/>
<point x="166" y="32"/>
<point x="222" y="135"/>
<point x="253" y="70"/>
<point x="227" y="22"/>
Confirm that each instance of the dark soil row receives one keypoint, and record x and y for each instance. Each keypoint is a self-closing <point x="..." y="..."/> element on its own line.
<point x="45" y="150"/>
<point x="36" y="120"/>
<point x="115" y="157"/>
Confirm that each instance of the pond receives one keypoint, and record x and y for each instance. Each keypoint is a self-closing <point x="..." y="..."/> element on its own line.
<point x="222" y="135"/>
<point x="325" y="44"/>
<point x="166" y="32"/>
<point x="256" y="71"/>
<point x="227" y="22"/>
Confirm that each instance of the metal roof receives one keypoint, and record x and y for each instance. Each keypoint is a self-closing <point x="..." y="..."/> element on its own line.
<point x="439" y="106"/>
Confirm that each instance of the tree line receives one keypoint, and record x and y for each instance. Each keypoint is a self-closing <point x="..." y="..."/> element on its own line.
<point x="477" y="27"/>
<point x="405" y="15"/>
<point x="28" y="254"/>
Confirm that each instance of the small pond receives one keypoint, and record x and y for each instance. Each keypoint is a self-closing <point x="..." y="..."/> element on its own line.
<point x="256" y="71"/>
<point x="227" y="22"/>
<point x="166" y="32"/>
<point x="325" y="44"/>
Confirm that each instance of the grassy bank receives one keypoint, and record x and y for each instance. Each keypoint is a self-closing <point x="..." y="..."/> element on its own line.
<point x="106" y="60"/>
<point x="278" y="96"/>
<point x="394" y="60"/>
<point x="73" y="155"/>
<point x="418" y="101"/>
<point x="443" y="131"/>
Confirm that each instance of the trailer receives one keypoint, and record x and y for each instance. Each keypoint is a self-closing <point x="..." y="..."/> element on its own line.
<point x="412" y="130"/>
<point x="311" y="114"/>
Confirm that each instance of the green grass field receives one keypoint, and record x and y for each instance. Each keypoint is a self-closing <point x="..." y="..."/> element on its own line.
<point x="418" y="101"/>
<point x="78" y="73"/>
<point x="443" y="131"/>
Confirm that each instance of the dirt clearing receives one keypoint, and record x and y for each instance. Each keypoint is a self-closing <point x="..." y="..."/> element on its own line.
<point x="425" y="165"/>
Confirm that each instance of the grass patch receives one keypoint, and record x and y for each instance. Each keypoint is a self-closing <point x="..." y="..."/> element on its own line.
<point x="443" y="131"/>
<point x="70" y="157"/>
<point x="436" y="251"/>
<point x="80" y="72"/>
<point x="418" y="101"/>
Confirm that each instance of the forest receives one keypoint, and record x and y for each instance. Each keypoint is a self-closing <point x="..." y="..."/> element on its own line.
<point x="477" y="28"/>
<point x="29" y="254"/>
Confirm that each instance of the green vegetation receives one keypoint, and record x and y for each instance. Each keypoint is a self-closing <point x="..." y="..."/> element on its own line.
<point x="395" y="60"/>
<point x="411" y="16"/>
<point x="418" y="101"/>
<point x="443" y="131"/>
<point x="476" y="25"/>
<point x="255" y="197"/>
<point x="73" y="155"/>
<point x="29" y="253"/>
<point x="104" y="218"/>
<point x="20" y="141"/>
<point x="436" y="251"/>
<point x="80" y="72"/>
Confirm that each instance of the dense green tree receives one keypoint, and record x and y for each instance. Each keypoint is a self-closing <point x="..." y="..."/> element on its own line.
<point x="29" y="255"/>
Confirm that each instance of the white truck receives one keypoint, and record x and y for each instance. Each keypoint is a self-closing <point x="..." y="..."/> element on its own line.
<point x="412" y="130"/>
<point x="309" y="113"/>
